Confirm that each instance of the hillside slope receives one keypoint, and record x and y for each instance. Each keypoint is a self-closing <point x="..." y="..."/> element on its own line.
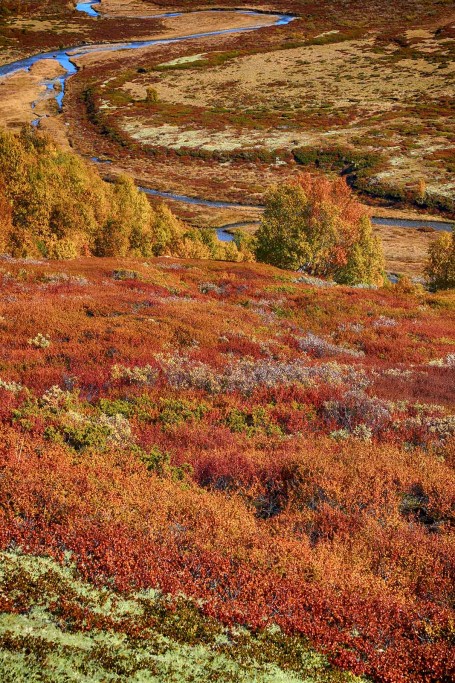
<point x="278" y="452"/>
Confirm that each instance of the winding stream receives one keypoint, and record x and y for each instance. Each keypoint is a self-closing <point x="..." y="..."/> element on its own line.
<point x="225" y="236"/>
<point x="66" y="56"/>
<point x="87" y="8"/>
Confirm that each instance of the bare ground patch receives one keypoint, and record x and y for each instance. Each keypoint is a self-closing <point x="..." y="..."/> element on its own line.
<point x="25" y="96"/>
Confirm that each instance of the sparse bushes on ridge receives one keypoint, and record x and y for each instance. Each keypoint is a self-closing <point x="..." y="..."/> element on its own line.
<point x="441" y="262"/>
<point x="316" y="224"/>
<point x="337" y="158"/>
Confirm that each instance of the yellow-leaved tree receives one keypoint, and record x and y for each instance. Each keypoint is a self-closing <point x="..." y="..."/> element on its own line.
<point x="5" y="217"/>
<point x="316" y="224"/>
<point x="440" y="268"/>
<point x="54" y="204"/>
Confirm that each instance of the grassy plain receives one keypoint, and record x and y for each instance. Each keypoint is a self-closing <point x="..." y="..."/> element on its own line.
<point x="384" y="91"/>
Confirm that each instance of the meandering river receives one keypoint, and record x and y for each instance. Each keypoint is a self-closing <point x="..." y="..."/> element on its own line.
<point x="66" y="56"/>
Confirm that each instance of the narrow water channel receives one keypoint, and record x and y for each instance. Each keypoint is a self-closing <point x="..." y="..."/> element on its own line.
<point x="226" y="236"/>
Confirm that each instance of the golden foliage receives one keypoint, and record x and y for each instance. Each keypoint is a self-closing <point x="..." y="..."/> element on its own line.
<point x="441" y="262"/>
<point x="53" y="204"/>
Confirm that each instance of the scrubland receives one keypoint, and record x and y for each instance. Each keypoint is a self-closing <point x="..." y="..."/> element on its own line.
<point x="278" y="454"/>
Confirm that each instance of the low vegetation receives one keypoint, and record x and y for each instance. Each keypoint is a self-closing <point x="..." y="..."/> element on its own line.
<point x="277" y="453"/>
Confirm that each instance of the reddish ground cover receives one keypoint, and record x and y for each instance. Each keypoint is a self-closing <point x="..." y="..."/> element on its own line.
<point x="281" y="451"/>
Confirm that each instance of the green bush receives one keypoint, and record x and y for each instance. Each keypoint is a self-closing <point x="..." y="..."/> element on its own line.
<point x="159" y="462"/>
<point x="79" y="436"/>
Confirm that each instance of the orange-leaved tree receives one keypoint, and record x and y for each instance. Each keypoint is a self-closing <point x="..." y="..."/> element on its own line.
<point x="316" y="224"/>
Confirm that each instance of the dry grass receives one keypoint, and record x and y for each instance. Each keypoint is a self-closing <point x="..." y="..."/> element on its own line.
<point x="349" y="93"/>
<point x="22" y="89"/>
<point x="318" y="93"/>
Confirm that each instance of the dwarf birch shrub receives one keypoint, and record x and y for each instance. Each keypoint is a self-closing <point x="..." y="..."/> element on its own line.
<point x="247" y="374"/>
<point x="135" y="375"/>
<point x="357" y="412"/>
<point x="319" y="347"/>
<point x="40" y="341"/>
<point x="56" y="399"/>
<point x="447" y="362"/>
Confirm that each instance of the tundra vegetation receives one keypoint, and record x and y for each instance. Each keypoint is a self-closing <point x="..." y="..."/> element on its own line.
<point x="223" y="471"/>
<point x="324" y="92"/>
<point x="215" y="469"/>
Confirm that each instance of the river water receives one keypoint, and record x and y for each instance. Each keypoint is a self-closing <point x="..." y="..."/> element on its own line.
<point x="87" y="8"/>
<point x="225" y="236"/>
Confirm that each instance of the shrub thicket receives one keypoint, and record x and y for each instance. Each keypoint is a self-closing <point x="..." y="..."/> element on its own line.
<point x="55" y="205"/>
<point x="316" y="224"/>
<point x="281" y="454"/>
